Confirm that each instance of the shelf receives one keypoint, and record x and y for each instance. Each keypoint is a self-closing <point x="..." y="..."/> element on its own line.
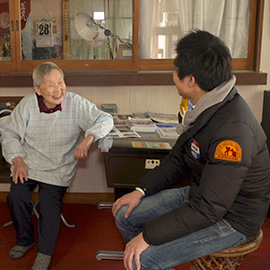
<point x="123" y="79"/>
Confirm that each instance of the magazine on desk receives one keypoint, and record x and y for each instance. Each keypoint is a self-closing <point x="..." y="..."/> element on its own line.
<point x="120" y="118"/>
<point x="142" y="124"/>
<point x="127" y="125"/>
<point x="168" y="133"/>
<point x="122" y="130"/>
<point x="166" y="124"/>
<point x="163" y="118"/>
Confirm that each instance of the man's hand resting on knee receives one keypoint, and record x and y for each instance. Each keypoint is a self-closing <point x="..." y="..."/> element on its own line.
<point x="134" y="249"/>
<point x="132" y="200"/>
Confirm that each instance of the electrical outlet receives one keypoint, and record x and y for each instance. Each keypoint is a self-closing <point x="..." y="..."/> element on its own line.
<point x="151" y="163"/>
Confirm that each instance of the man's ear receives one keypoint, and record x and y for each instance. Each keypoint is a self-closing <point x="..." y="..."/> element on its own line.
<point x="37" y="90"/>
<point x="191" y="81"/>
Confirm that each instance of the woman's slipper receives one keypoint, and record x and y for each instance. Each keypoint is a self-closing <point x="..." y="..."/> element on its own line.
<point x="18" y="251"/>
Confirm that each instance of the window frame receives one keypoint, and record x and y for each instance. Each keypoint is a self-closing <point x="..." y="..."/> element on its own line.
<point x="141" y="71"/>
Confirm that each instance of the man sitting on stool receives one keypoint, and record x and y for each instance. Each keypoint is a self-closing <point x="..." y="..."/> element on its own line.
<point x="223" y="147"/>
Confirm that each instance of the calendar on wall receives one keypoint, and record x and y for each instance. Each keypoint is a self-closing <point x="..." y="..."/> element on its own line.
<point x="44" y="34"/>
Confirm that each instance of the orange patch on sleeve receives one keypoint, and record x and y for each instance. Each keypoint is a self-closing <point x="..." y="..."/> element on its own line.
<point x="228" y="150"/>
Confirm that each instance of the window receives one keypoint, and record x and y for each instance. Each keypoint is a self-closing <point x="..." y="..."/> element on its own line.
<point x="164" y="22"/>
<point x="125" y="37"/>
<point x="169" y="20"/>
<point x="75" y="29"/>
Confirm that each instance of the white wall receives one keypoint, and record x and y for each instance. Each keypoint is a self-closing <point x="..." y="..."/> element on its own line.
<point x="90" y="175"/>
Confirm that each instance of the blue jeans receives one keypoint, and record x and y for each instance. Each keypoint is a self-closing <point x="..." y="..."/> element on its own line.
<point x="203" y="242"/>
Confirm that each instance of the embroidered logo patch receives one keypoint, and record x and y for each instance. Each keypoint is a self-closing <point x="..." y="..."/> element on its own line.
<point x="195" y="149"/>
<point x="228" y="150"/>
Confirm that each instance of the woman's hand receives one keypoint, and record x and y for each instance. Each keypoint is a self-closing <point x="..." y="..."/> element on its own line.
<point x="81" y="151"/>
<point x="20" y="170"/>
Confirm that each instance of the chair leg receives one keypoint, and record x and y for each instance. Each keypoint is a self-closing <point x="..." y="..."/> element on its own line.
<point x="105" y="205"/>
<point x="67" y="224"/>
<point x="35" y="212"/>
<point x="7" y="224"/>
<point x="62" y="217"/>
<point x="108" y="254"/>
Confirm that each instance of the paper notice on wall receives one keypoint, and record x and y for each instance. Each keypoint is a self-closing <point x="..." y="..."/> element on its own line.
<point x="44" y="34"/>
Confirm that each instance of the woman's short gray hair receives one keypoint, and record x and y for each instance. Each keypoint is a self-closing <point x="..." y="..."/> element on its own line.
<point x="42" y="70"/>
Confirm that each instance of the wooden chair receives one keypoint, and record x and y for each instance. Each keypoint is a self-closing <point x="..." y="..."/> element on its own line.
<point x="228" y="259"/>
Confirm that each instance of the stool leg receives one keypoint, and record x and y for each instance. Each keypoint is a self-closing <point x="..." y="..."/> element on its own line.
<point x="107" y="254"/>
<point x="67" y="224"/>
<point x="35" y="212"/>
<point x="105" y="205"/>
<point x="62" y="217"/>
<point x="7" y="224"/>
<point x="110" y="255"/>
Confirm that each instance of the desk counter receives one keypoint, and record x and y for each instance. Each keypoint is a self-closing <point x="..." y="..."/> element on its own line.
<point x="128" y="159"/>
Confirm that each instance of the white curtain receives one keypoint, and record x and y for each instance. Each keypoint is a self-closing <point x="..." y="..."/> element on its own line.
<point x="235" y="28"/>
<point x="80" y="49"/>
<point x="228" y="19"/>
<point x="146" y="28"/>
<point x="122" y="24"/>
<point x="124" y="19"/>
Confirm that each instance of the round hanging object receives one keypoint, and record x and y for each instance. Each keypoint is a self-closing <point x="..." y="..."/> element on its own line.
<point x="86" y="27"/>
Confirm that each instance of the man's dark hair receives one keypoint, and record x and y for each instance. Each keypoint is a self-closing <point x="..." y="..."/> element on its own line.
<point x="204" y="56"/>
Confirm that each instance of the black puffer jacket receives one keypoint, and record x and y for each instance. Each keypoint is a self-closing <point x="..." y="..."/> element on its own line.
<point x="225" y="151"/>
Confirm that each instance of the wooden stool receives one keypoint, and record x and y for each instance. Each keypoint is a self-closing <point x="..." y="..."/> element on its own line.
<point x="227" y="259"/>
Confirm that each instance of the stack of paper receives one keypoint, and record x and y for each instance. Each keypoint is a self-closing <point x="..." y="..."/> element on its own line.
<point x="164" y="119"/>
<point x="122" y="131"/>
<point x="142" y="124"/>
<point x="168" y="133"/>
